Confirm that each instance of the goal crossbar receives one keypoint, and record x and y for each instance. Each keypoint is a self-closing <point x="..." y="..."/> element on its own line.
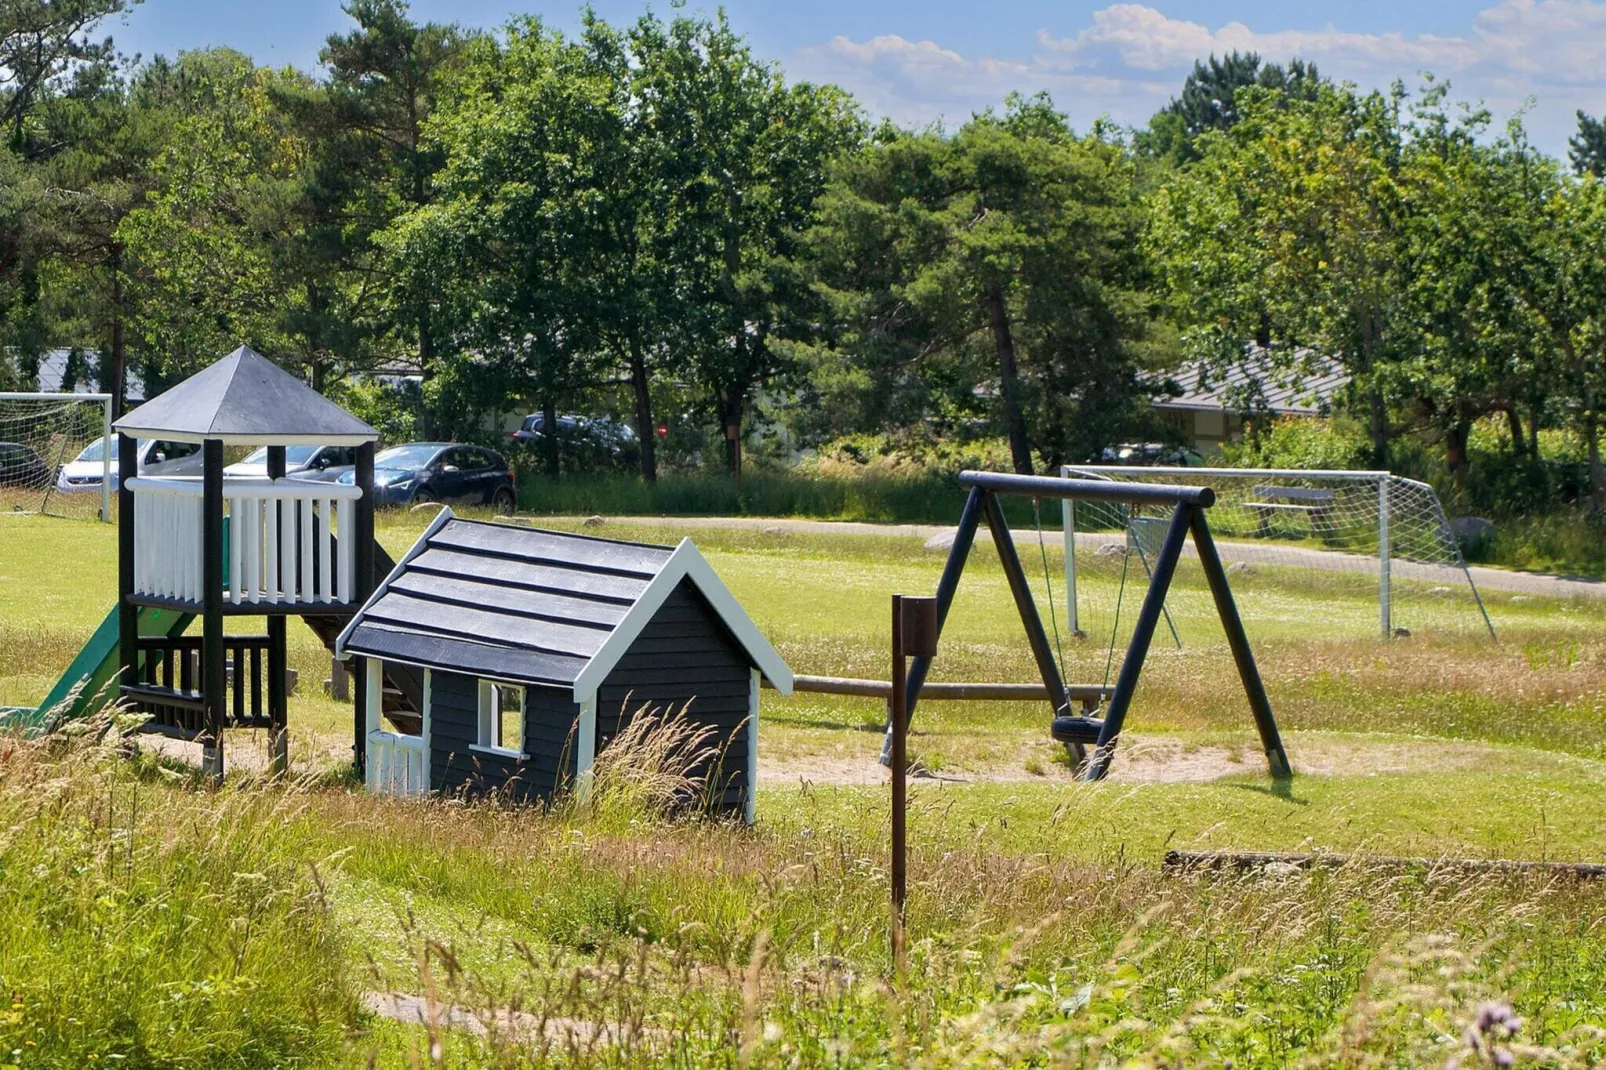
<point x="1444" y="550"/>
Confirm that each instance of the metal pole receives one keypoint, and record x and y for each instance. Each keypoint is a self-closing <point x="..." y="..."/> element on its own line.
<point x="1384" y="552"/>
<point x="1068" y="522"/>
<point x="900" y="786"/>
<point x="106" y="462"/>
<point x="964" y="538"/>
<point x="1132" y="665"/>
<point x="1227" y="609"/>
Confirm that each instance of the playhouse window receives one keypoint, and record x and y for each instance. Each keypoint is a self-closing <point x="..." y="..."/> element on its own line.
<point x="501" y="717"/>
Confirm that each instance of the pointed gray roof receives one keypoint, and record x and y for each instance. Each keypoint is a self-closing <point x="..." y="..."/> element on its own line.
<point x="246" y="400"/>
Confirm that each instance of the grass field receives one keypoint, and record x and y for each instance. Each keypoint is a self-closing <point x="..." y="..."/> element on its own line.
<point x="145" y="921"/>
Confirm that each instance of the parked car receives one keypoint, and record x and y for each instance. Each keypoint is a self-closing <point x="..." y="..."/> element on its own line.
<point x="1156" y="454"/>
<point x="441" y="472"/>
<point x="20" y="466"/>
<point x="300" y="462"/>
<point x="586" y="442"/>
<point x="156" y="458"/>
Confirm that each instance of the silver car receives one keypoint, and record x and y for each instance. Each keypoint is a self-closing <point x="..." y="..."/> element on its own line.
<point x="157" y="457"/>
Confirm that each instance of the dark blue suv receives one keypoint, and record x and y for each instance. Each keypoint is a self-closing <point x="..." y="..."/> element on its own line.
<point x="441" y="472"/>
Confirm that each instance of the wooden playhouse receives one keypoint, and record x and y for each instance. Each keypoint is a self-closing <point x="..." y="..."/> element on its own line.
<point x="535" y="645"/>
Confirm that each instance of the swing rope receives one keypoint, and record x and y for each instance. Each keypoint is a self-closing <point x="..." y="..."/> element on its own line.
<point x="1048" y="582"/>
<point x="1120" y="597"/>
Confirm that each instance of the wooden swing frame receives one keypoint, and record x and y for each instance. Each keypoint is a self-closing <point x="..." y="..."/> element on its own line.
<point x="1188" y="516"/>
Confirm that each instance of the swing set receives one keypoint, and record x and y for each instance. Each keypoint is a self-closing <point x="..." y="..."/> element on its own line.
<point x="1097" y="726"/>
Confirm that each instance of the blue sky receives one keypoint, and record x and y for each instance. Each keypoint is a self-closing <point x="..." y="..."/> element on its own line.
<point x="917" y="61"/>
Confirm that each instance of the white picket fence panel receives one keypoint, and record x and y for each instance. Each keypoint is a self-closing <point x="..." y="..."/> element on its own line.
<point x="397" y="764"/>
<point x="269" y="519"/>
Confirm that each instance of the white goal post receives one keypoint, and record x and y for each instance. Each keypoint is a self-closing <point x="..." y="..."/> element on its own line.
<point x="1369" y="524"/>
<point x="41" y="434"/>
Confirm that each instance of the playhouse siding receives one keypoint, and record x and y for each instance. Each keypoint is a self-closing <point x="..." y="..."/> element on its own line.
<point x="685" y="654"/>
<point x="549" y="718"/>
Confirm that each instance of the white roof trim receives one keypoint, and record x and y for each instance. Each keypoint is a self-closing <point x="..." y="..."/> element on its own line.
<point x="245" y="440"/>
<point x="684" y="563"/>
<point x="417" y="548"/>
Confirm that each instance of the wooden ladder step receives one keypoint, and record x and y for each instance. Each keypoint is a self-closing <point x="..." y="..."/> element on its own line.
<point x="165" y="696"/>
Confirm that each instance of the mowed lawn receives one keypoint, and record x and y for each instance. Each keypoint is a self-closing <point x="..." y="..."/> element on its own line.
<point x="299" y="924"/>
<point x="1444" y="741"/>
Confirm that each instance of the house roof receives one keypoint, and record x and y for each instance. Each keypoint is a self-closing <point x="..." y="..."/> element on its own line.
<point x="53" y="375"/>
<point x="246" y="400"/>
<point x="1254" y="384"/>
<point x="530" y="606"/>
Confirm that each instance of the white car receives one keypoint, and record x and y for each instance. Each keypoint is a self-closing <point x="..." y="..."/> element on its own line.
<point x="156" y="458"/>
<point x="301" y="461"/>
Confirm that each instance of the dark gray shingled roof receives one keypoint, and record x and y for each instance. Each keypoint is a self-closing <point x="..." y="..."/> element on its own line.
<point x="504" y="601"/>
<point x="246" y="399"/>
<point x="1256" y="384"/>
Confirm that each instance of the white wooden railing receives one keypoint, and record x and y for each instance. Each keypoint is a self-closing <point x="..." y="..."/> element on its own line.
<point x="397" y="764"/>
<point x="281" y="540"/>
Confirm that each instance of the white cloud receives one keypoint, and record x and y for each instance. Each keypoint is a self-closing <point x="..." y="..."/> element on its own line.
<point x="1130" y="58"/>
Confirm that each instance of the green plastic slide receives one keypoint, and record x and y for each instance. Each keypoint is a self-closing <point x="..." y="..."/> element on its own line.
<point x="87" y="684"/>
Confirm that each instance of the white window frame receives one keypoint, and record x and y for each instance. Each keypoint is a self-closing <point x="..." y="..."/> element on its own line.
<point x="489" y="721"/>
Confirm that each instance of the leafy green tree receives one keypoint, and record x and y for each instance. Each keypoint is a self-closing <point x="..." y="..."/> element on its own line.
<point x="41" y="41"/>
<point x="1566" y="300"/>
<point x="747" y="155"/>
<point x="1000" y="262"/>
<point x="372" y="160"/>
<point x="203" y="244"/>
<point x="510" y="239"/>
<point x="1587" y="148"/>
<point x="1209" y="100"/>
<point x="1289" y="230"/>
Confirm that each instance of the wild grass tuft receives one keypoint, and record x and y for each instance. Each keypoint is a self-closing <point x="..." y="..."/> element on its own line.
<point x="147" y="926"/>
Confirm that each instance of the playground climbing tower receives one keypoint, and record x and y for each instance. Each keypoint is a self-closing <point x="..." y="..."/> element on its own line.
<point x="215" y="547"/>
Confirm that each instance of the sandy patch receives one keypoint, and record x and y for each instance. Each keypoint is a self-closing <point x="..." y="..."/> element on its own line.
<point x="1163" y="760"/>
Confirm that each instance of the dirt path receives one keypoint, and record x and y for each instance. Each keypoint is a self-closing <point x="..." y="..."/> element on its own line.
<point x="1491" y="579"/>
<point x="1165" y="760"/>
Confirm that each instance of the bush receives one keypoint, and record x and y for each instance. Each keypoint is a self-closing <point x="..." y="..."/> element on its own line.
<point x="1302" y="442"/>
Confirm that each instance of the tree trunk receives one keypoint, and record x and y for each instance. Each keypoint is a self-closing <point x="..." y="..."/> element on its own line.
<point x="117" y="387"/>
<point x="1519" y="444"/>
<point x="1455" y="454"/>
<point x="1380" y="431"/>
<point x="646" y="433"/>
<point x="731" y="405"/>
<point x="1597" y="471"/>
<point x="549" y="440"/>
<point x="1533" y="433"/>
<point x="1009" y="381"/>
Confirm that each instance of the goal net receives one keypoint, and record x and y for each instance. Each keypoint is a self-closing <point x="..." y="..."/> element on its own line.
<point x="53" y="454"/>
<point x="1336" y="553"/>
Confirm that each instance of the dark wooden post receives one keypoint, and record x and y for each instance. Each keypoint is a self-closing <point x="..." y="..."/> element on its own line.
<point x="1227" y="609"/>
<point x="212" y="674"/>
<point x="964" y="538"/>
<point x="127" y="611"/>
<point x="1021" y="588"/>
<point x="1165" y="566"/>
<point x="915" y="626"/>
<point x="278" y="658"/>
<point x="363" y="555"/>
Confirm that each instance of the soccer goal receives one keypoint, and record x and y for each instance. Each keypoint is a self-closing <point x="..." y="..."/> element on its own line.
<point x="53" y="454"/>
<point x="1292" y="539"/>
